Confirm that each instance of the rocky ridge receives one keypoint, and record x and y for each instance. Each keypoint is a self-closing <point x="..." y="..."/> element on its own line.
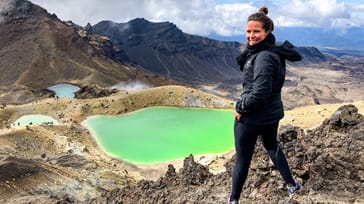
<point x="163" y="49"/>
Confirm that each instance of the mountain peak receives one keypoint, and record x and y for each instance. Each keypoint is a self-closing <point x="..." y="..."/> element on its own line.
<point x="141" y="25"/>
<point x="139" y="21"/>
<point x="145" y="21"/>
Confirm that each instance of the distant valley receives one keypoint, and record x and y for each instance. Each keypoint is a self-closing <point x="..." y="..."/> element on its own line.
<point x="342" y="52"/>
<point x="350" y="39"/>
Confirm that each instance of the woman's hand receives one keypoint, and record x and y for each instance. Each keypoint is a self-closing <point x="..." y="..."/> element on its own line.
<point x="237" y="115"/>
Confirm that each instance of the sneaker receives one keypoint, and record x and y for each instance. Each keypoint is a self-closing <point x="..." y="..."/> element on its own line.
<point x="294" y="189"/>
<point x="231" y="201"/>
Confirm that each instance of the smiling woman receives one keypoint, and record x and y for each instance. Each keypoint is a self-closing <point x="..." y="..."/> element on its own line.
<point x="163" y="133"/>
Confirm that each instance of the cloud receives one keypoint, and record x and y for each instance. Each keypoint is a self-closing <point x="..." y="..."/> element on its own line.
<point x="134" y="85"/>
<point x="233" y="17"/>
<point x="203" y="17"/>
<point x="312" y="13"/>
<point x="357" y="15"/>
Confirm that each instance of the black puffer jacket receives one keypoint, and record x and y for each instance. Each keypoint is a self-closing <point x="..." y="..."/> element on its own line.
<point x="264" y="71"/>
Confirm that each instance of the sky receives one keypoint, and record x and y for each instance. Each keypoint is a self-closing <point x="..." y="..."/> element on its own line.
<point x="206" y="17"/>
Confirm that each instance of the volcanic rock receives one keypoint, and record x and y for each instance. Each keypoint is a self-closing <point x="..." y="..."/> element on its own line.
<point x="345" y="116"/>
<point x="93" y="91"/>
<point x="12" y="168"/>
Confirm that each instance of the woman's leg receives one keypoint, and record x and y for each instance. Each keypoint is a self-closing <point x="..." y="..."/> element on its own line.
<point x="269" y="137"/>
<point x="245" y="138"/>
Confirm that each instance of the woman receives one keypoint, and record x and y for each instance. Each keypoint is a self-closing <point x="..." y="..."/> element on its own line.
<point x="260" y="108"/>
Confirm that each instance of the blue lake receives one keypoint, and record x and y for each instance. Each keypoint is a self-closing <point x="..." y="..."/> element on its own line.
<point x="64" y="90"/>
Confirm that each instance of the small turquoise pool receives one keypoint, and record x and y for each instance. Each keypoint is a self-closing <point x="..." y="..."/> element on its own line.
<point x="64" y="90"/>
<point x="35" y="119"/>
<point x="161" y="134"/>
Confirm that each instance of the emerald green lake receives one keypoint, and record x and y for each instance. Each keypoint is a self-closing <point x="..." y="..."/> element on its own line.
<point x="34" y="119"/>
<point x="161" y="134"/>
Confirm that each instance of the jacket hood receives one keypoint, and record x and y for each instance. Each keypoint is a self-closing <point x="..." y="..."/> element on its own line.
<point x="288" y="51"/>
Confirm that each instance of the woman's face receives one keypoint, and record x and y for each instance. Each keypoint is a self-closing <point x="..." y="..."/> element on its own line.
<point x="255" y="32"/>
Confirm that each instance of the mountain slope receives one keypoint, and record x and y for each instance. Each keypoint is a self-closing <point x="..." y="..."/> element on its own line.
<point x="165" y="50"/>
<point x="38" y="50"/>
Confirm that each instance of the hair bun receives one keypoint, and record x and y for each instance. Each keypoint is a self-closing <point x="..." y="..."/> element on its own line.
<point x="264" y="10"/>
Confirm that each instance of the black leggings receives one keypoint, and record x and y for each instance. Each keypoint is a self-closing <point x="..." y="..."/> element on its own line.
<point x="245" y="138"/>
